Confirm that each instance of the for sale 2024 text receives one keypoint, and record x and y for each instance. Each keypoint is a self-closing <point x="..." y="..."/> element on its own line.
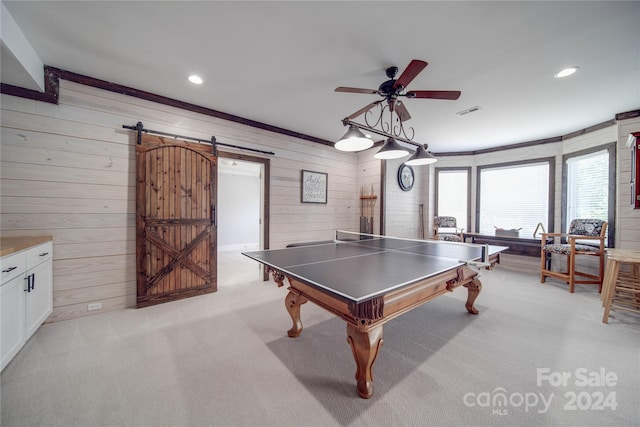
<point x="597" y="394"/>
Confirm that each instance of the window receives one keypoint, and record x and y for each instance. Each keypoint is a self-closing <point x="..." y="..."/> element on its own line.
<point x="515" y="196"/>
<point x="453" y="189"/>
<point x="589" y="187"/>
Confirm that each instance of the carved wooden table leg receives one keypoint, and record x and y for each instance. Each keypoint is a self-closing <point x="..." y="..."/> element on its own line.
<point x="365" y="347"/>
<point x="474" y="289"/>
<point x="293" y="301"/>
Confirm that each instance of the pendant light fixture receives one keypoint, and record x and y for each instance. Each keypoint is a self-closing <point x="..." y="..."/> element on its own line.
<point x="391" y="150"/>
<point x="421" y="157"/>
<point x="353" y="140"/>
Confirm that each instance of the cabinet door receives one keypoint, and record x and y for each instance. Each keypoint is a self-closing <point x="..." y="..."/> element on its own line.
<point x="38" y="304"/>
<point x="12" y="318"/>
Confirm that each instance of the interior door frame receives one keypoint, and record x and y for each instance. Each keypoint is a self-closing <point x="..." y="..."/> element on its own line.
<point x="265" y="182"/>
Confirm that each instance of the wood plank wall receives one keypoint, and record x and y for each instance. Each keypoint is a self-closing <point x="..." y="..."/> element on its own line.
<point x="554" y="149"/>
<point x="627" y="218"/>
<point x="401" y="215"/>
<point x="68" y="170"/>
<point x="369" y="172"/>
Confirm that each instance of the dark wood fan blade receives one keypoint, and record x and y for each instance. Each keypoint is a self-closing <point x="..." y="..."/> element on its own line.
<point x="413" y="69"/>
<point x="364" y="110"/>
<point x="402" y="112"/>
<point x="434" y="94"/>
<point x="355" y="90"/>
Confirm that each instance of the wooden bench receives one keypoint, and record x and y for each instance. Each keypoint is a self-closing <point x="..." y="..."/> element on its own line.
<point x="517" y="245"/>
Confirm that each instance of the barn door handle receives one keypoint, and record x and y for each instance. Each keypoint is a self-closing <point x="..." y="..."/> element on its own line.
<point x="213" y="215"/>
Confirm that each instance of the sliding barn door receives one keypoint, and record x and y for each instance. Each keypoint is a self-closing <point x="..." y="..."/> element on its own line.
<point x="175" y="220"/>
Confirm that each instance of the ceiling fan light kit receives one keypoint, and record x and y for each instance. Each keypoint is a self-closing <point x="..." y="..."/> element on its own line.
<point x="353" y="140"/>
<point x="390" y="90"/>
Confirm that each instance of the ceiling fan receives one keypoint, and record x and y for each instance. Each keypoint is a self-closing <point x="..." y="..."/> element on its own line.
<point x="391" y="89"/>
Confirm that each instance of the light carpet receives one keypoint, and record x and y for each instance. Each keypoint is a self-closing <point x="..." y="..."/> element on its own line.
<point x="535" y="355"/>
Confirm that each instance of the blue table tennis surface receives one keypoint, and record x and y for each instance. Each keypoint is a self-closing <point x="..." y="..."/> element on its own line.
<point x="363" y="269"/>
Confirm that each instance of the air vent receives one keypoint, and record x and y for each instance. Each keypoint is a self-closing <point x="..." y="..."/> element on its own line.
<point x="467" y="111"/>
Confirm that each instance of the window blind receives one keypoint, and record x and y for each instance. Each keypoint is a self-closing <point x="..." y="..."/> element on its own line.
<point x="453" y="195"/>
<point x="588" y="186"/>
<point x="513" y="197"/>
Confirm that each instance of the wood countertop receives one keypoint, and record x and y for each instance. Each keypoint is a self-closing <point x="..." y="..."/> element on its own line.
<point x="9" y="245"/>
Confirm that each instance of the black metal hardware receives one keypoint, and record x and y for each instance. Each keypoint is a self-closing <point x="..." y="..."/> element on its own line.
<point x="139" y="128"/>
<point x="44" y="254"/>
<point x="395" y="135"/>
<point x="213" y="215"/>
<point x="9" y="269"/>
<point x="31" y="282"/>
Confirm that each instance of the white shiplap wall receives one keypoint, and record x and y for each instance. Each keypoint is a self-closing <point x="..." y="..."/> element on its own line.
<point x="627" y="234"/>
<point x="402" y="207"/>
<point x="369" y="173"/>
<point x="627" y="218"/>
<point x="68" y="170"/>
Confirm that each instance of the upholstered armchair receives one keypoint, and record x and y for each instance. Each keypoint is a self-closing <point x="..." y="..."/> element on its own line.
<point x="586" y="237"/>
<point x="446" y="228"/>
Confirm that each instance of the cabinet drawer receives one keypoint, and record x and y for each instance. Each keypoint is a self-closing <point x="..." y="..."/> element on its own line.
<point x="39" y="254"/>
<point x="12" y="266"/>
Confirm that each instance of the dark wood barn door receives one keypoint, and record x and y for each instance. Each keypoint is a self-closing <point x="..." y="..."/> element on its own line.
<point x="175" y="220"/>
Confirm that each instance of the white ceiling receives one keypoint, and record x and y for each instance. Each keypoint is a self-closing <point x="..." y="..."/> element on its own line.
<point x="279" y="62"/>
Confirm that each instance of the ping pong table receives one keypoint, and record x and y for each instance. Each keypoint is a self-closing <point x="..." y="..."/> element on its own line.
<point x="368" y="280"/>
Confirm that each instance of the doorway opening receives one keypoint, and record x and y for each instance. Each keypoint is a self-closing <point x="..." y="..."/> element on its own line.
<point x="242" y="216"/>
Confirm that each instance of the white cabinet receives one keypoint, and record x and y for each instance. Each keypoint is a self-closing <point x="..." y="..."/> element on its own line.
<point x="39" y="297"/>
<point x="11" y="318"/>
<point x="26" y="296"/>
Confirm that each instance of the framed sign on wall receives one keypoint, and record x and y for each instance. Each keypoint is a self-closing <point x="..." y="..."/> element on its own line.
<point x="313" y="187"/>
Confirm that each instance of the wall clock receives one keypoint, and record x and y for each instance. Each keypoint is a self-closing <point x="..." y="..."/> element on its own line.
<point x="405" y="177"/>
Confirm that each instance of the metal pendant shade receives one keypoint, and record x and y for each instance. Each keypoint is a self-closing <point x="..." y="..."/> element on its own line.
<point x="421" y="157"/>
<point x="391" y="150"/>
<point x="353" y="140"/>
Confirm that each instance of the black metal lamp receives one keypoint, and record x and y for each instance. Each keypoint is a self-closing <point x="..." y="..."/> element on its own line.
<point x="391" y="150"/>
<point x="421" y="157"/>
<point x="353" y="140"/>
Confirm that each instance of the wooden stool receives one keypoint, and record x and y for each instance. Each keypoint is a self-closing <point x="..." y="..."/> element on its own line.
<point x="621" y="290"/>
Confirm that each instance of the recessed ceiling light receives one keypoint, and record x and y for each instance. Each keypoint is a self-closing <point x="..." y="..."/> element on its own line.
<point x="195" y="79"/>
<point x="566" y="72"/>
